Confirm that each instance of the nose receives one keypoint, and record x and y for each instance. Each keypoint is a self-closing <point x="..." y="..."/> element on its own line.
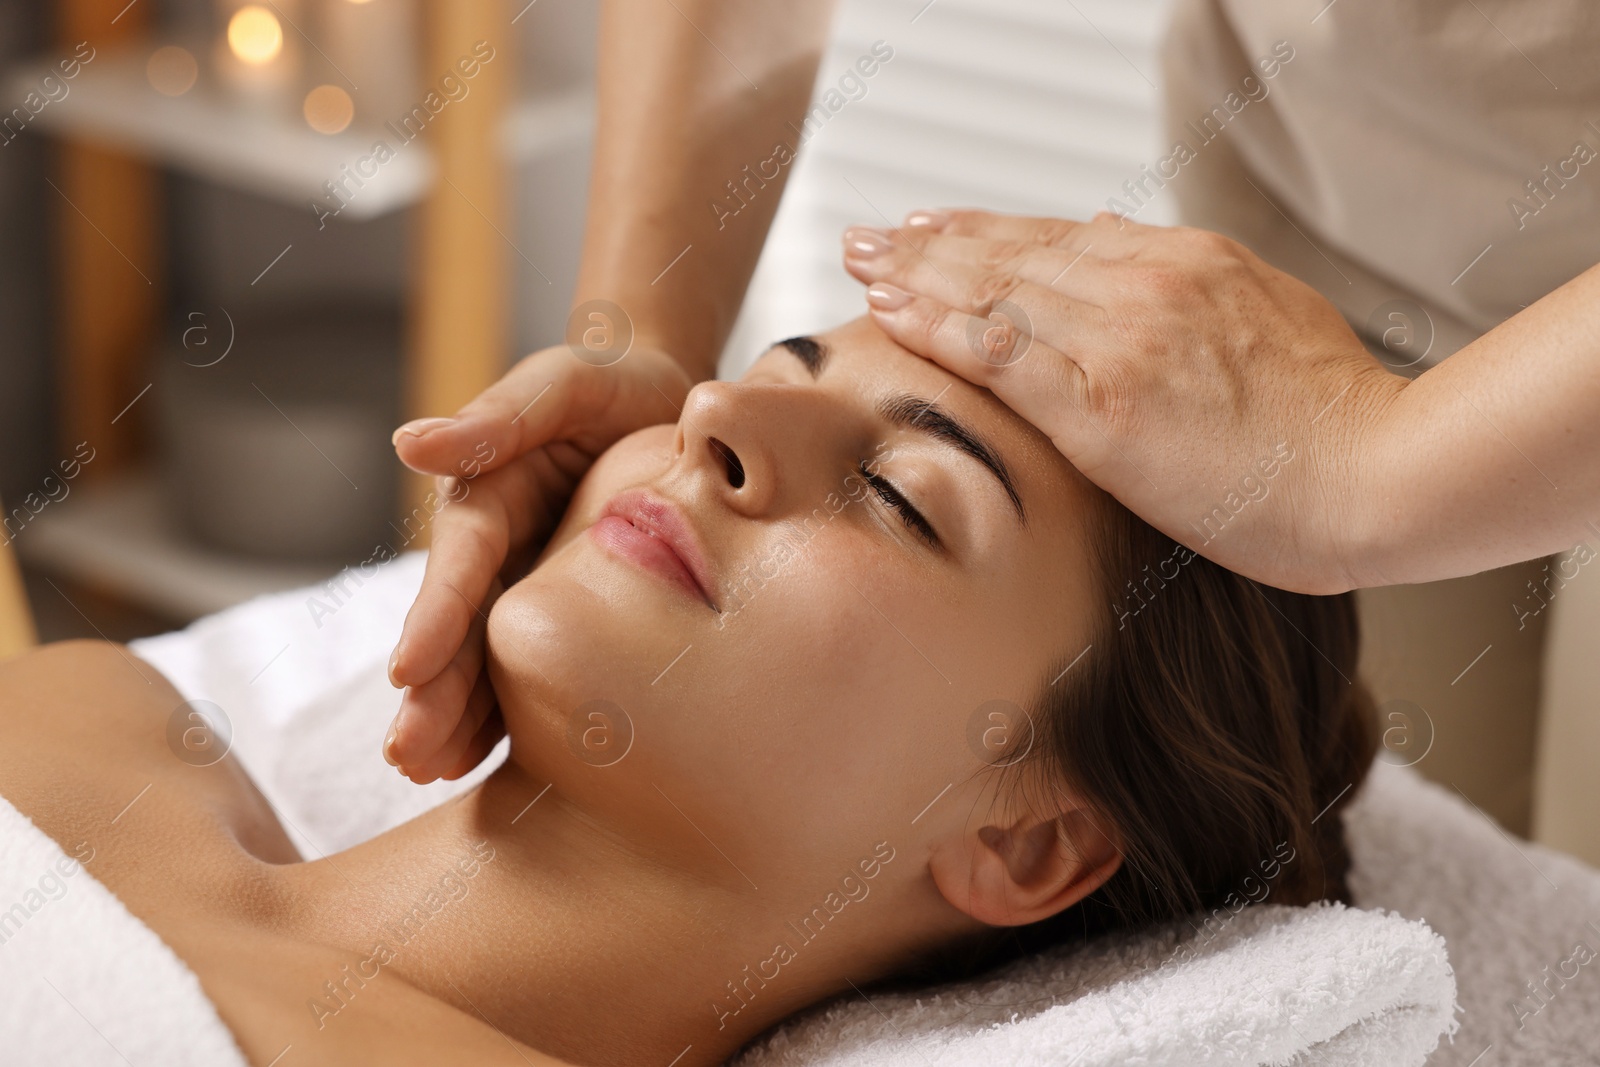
<point x="726" y="437"/>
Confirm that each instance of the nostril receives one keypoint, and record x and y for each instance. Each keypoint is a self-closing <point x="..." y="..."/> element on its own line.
<point x="731" y="462"/>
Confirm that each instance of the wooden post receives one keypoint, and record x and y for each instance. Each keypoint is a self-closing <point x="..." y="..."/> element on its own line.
<point x="460" y="327"/>
<point x="16" y="619"/>
<point x="109" y="257"/>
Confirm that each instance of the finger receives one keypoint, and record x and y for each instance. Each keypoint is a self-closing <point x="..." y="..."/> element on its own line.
<point x="470" y="542"/>
<point x="1057" y="319"/>
<point x="877" y="256"/>
<point x="871" y="255"/>
<point x="551" y="395"/>
<point x="522" y="410"/>
<point x="483" y="742"/>
<point x="979" y="280"/>
<point x="480" y="704"/>
<point x="429" y="712"/>
<point x="1055" y="233"/>
<point x="1034" y="379"/>
<point x="473" y="533"/>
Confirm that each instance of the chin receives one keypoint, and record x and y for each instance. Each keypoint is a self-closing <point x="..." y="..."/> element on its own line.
<point x="572" y="650"/>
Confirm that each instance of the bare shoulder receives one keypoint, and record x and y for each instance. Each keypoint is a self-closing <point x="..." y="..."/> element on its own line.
<point x="63" y="691"/>
<point x="87" y="730"/>
<point x="66" y="706"/>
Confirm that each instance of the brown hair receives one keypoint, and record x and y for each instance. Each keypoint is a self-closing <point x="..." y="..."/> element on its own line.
<point x="1215" y="727"/>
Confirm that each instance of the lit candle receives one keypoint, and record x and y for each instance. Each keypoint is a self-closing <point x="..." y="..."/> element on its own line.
<point x="259" y="53"/>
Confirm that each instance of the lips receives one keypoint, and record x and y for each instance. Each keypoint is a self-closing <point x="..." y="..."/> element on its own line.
<point x="654" y="533"/>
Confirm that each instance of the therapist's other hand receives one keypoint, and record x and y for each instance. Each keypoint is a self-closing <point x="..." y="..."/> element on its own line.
<point x="1223" y="401"/>
<point x="507" y="464"/>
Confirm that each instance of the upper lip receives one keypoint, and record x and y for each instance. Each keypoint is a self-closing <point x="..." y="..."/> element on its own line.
<point x="666" y="521"/>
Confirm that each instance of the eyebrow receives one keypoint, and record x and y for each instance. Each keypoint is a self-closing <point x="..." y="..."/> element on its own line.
<point x="921" y="416"/>
<point x="808" y="350"/>
<point x="925" y="417"/>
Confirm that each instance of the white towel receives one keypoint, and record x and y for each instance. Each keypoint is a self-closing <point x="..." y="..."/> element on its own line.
<point x="83" y="982"/>
<point x="1270" y="985"/>
<point x="1522" y="922"/>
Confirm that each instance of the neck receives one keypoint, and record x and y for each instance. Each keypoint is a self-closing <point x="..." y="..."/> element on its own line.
<point x="512" y="905"/>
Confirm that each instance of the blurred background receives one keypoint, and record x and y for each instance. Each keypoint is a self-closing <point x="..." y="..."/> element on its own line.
<point x="243" y="241"/>
<point x="240" y="243"/>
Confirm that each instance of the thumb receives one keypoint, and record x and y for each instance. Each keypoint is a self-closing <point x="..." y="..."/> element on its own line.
<point x="521" y="411"/>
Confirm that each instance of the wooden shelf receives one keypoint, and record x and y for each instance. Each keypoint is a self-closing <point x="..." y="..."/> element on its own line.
<point x="208" y="133"/>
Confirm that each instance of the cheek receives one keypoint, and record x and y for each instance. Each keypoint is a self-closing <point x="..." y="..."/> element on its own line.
<point x="840" y="694"/>
<point x="640" y="457"/>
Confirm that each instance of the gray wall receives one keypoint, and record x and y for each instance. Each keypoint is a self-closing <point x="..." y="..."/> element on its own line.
<point x="27" y="429"/>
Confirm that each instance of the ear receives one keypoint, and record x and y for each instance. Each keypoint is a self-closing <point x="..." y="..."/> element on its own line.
<point x="1022" y="867"/>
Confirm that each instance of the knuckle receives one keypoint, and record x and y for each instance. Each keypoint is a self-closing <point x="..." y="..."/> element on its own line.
<point x="1209" y="243"/>
<point x="484" y="546"/>
<point x="1056" y="233"/>
<point x="965" y="222"/>
<point x="989" y="289"/>
<point x="1110" y="392"/>
<point x="910" y="244"/>
<point x="947" y="331"/>
<point x="1165" y="284"/>
<point x="917" y="320"/>
<point x="906" y="263"/>
<point x="1002" y="255"/>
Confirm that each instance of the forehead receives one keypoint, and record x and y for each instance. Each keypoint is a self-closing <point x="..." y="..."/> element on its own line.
<point x="864" y="364"/>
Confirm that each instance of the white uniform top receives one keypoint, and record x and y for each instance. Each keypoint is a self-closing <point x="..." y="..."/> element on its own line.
<point x="1435" y="160"/>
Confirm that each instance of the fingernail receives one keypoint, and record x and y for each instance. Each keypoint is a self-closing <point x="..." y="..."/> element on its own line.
<point x="388" y="747"/>
<point x="418" y="427"/>
<point x="927" y="220"/>
<point x="394" y="657"/>
<point x="887" y="297"/>
<point x="865" y="242"/>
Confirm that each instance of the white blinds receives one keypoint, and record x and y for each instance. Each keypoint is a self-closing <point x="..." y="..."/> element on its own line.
<point x="1039" y="106"/>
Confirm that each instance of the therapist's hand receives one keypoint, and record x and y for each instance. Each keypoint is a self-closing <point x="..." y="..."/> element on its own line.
<point x="1222" y="400"/>
<point x="507" y="464"/>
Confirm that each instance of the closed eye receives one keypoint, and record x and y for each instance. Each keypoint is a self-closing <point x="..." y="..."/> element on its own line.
<point x="897" y="501"/>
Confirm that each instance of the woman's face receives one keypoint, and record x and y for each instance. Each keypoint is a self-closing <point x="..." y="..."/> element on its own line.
<point x="885" y="552"/>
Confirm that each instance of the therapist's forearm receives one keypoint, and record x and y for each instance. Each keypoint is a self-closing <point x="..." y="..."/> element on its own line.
<point x="691" y="93"/>
<point x="1494" y="455"/>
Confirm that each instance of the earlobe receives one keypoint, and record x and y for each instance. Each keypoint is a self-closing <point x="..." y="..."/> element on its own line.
<point x="1012" y="875"/>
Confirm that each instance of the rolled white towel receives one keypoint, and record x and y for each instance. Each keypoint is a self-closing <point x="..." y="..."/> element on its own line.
<point x="1269" y="985"/>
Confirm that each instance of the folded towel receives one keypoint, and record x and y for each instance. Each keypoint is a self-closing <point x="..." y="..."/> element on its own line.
<point x="1268" y="985"/>
<point x="83" y="982"/>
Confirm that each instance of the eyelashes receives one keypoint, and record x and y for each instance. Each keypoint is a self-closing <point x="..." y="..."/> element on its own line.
<point x="896" y="501"/>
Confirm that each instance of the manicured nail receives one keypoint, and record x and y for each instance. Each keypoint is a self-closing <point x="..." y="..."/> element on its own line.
<point x="886" y="297"/>
<point x="864" y="242"/>
<point x="394" y="657"/>
<point x="418" y="427"/>
<point x="927" y="220"/>
<point x="388" y="747"/>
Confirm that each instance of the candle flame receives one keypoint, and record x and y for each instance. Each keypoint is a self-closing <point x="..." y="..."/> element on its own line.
<point x="254" y="35"/>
